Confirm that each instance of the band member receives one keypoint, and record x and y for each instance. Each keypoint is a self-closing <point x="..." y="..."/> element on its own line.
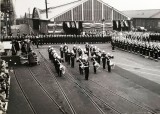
<point x="49" y="52"/>
<point x="79" y="51"/>
<point x="86" y="69"/>
<point x="103" y="56"/>
<point x="87" y="48"/>
<point x="72" y="58"/>
<point x="81" y="65"/>
<point x="68" y="56"/>
<point x="75" y="50"/>
<point x="61" y="51"/>
<point x="65" y="49"/>
<point x="108" y="64"/>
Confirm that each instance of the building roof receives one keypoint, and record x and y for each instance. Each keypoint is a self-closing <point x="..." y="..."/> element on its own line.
<point x="55" y="11"/>
<point x="150" y="13"/>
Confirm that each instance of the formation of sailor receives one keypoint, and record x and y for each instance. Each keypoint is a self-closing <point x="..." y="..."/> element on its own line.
<point x="145" y="48"/>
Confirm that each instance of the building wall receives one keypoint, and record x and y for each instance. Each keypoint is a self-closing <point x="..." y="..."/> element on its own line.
<point x="91" y="10"/>
<point x="151" y="24"/>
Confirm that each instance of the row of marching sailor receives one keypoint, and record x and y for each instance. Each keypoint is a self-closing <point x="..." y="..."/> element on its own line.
<point x="57" y="61"/>
<point x="147" y="49"/>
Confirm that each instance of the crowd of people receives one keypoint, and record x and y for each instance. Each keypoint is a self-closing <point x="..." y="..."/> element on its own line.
<point x="4" y="86"/>
<point x="138" y="43"/>
<point x="91" y="54"/>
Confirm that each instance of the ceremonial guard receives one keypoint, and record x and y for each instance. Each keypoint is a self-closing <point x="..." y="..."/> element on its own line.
<point x="86" y="69"/>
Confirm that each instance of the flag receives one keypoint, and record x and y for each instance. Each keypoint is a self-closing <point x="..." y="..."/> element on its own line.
<point x="73" y="24"/>
<point x="126" y="23"/>
<point x="122" y="25"/>
<point x="68" y="25"/>
<point x="117" y="24"/>
<point x="77" y="25"/>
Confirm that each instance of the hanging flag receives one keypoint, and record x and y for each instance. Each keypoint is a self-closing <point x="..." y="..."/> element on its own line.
<point x="117" y="24"/>
<point x="77" y="25"/>
<point x="68" y="24"/>
<point x="73" y="24"/>
<point x="122" y="25"/>
<point x="126" y="23"/>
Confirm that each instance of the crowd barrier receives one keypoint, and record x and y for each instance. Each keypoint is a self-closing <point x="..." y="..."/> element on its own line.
<point x="70" y="39"/>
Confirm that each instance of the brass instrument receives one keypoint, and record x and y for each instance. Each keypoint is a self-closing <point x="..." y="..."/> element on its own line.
<point x="97" y="65"/>
<point x="61" y="67"/>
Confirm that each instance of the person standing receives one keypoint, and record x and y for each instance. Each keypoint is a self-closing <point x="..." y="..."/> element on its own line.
<point x="108" y="64"/>
<point x="37" y="41"/>
<point x="86" y="69"/>
<point x="72" y="58"/>
<point x="87" y="49"/>
<point x="103" y="56"/>
<point x="61" y="51"/>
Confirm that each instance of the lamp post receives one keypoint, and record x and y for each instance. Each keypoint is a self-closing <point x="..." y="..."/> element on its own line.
<point x="103" y="31"/>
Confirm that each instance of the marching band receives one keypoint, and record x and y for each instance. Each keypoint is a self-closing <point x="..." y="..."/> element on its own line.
<point x="82" y="56"/>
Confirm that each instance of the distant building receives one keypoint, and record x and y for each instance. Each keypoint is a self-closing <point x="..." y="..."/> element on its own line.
<point x="150" y="19"/>
<point x="85" y="15"/>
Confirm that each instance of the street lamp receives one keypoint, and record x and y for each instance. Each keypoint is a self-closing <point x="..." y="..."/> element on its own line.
<point x="103" y="31"/>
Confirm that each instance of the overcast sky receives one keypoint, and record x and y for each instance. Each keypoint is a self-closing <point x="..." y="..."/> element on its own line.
<point x="22" y="6"/>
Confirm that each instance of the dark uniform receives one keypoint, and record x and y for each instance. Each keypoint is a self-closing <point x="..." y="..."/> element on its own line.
<point x="108" y="64"/>
<point x="103" y="56"/>
<point x="61" y="51"/>
<point x="81" y="68"/>
<point x="87" y="48"/>
<point x="86" y="69"/>
<point x="72" y="59"/>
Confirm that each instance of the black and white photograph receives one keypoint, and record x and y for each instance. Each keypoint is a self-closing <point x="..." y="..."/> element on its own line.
<point x="80" y="57"/>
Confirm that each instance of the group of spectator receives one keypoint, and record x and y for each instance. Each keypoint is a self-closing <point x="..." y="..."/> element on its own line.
<point x="4" y="86"/>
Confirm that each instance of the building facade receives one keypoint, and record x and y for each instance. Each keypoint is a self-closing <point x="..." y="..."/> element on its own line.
<point x="93" y="15"/>
<point x="150" y="19"/>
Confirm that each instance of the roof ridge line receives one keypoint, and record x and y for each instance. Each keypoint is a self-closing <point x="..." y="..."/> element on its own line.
<point x="154" y="14"/>
<point x="63" y="4"/>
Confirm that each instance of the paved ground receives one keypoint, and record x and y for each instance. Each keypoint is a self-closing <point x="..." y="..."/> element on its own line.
<point x="133" y="87"/>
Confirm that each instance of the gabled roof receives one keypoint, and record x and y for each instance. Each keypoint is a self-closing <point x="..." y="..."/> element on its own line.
<point x="54" y="11"/>
<point x="150" y="13"/>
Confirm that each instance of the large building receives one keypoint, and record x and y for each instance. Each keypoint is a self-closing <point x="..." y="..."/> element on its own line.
<point x="150" y="19"/>
<point x="82" y="14"/>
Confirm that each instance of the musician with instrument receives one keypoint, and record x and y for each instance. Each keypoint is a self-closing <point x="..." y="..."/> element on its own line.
<point x="108" y="64"/>
<point x="81" y="65"/>
<point x="65" y="49"/>
<point x="86" y="69"/>
<point x="72" y="58"/>
<point x="87" y="48"/>
<point x="49" y="52"/>
<point x="104" y="57"/>
<point x="61" y="51"/>
<point x="75" y="50"/>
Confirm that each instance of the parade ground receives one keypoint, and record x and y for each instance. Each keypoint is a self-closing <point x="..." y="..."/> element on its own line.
<point x="132" y="87"/>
